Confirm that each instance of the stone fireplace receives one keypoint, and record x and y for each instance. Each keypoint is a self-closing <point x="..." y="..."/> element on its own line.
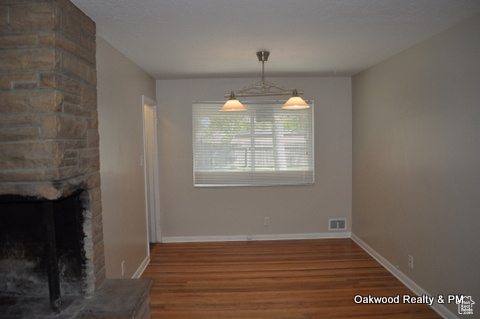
<point x="43" y="258"/>
<point x="49" y="150"/>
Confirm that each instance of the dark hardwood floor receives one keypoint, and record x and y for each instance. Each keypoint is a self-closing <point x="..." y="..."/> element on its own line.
<point x="272" y="279"/>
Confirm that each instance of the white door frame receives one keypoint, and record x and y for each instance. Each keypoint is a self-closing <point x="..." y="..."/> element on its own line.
<point x="150" y="164"/>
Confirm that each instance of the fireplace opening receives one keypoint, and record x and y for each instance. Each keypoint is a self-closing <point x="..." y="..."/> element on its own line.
<point x="32" y="232"/>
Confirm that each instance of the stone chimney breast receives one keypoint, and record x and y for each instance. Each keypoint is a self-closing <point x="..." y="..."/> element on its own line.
<point x="48" y="99"/>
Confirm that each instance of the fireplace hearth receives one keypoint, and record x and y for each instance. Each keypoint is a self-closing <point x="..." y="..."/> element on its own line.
<point x="44" y="269"/>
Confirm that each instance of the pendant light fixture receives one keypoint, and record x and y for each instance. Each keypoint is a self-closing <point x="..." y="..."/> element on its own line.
<point x="264" y="88"/>
<point x="295" y="102"/>
<point x="233" y="105"/>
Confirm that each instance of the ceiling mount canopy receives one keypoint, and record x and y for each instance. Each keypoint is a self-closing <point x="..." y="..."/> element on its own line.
<point x="264" y="88"/>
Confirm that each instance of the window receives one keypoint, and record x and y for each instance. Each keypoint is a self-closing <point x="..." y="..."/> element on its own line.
<point x="265" y="145"/>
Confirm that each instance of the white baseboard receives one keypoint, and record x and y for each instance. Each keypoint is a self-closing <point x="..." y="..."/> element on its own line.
<point x="189" y="239"/>
<point x="303" y="236"/>
<point x="440" y="309"/>
<point x="142" y="267"/>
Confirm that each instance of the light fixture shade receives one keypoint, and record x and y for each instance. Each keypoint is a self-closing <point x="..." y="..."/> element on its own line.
<point x="295" y="102"/>
<point x="233" y="105"/>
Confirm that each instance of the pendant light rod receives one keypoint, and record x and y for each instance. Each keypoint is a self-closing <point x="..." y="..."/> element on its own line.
<point x="289" y="92"/>
<point x="264" y="88"/>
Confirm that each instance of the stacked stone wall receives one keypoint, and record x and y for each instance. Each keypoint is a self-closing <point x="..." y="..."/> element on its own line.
<point x="48" y="109"/>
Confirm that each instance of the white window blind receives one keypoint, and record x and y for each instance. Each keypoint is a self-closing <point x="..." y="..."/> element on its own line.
<point x="265" y="145"/>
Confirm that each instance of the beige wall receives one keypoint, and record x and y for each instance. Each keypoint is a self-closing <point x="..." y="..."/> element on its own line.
<point x="238" y="211"/>
<point x="416" y="161"/>
<point x="121" y="85"/>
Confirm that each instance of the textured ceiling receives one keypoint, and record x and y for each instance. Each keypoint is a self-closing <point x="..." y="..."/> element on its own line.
<point x="218" y="38"/>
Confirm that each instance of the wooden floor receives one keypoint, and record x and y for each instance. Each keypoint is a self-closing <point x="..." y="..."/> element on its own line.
<point x="272" y="279"/>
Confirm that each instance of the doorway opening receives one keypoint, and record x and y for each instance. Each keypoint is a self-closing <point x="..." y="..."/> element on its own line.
<point x="152" y="195"/>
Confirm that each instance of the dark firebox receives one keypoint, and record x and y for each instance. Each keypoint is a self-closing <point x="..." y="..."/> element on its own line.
<point x="32" y="232"/>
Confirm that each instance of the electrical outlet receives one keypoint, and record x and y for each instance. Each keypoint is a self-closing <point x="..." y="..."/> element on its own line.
<point x="266" y="221"/>
<point x="410" y="261"/>
<point x="122" y="268"/>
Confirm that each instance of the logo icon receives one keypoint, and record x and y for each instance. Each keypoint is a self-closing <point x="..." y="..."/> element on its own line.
<point x="465" y="307"/>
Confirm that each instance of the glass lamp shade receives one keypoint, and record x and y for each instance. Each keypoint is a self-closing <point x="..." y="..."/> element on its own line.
<point x="233" y="105"/>
<point x="295" y="102"/>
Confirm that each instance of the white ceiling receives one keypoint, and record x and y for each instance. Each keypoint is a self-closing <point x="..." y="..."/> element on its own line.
<point x="218" y="38"/>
